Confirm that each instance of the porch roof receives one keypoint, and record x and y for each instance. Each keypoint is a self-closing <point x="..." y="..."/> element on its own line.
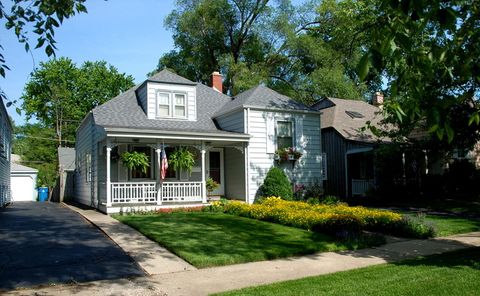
<point x="176" y="135"/>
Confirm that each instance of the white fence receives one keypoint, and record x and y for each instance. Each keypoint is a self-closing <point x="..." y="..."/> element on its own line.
<point x="181" y="192"/>
<point x="360" y="187"/>
<point x="134" y="192"/>
<point x="146" y="192"/>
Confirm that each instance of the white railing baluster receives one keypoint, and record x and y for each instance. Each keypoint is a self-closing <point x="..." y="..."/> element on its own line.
<point x="145" y="192"/>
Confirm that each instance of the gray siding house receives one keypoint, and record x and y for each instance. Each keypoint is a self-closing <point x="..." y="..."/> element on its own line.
<point x="5" y="152"/>
<point x="348" y="146"/>
<point x="234" y="140"/>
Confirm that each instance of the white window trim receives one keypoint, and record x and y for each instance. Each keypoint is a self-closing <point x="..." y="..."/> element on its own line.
<point x="171" y="104"/>
<point x="157" y="104"/>
<point x="292" y="122"/>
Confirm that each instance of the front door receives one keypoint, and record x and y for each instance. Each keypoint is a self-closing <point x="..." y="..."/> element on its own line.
<point x="215" y="169"/>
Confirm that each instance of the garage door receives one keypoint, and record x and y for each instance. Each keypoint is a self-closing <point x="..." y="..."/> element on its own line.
<point x="23" y="188"/>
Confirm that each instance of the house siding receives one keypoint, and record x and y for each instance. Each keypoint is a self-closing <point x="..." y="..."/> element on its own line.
<point x="88" y="136"/>
<point x="336" y="147"/>
<point x="233" y="122"/>
<point x="307" y="169"/>
<point x="5" y="140"/>
<point x="189" y="90"/>
<point x="142" y="96"/>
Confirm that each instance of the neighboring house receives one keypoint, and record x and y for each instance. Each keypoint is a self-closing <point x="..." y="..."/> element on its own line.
<point x="6" y="130"/>
<point x="348" y="145"/>
<point x="23" y="182"/>
<point x="64" y="188"/>
<point x="234" y="140"/>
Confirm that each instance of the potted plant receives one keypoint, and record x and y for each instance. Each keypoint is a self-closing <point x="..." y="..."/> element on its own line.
<point x="182" y="158"/>
<point x="135" y="160"/>
<point x="211" y="185"/>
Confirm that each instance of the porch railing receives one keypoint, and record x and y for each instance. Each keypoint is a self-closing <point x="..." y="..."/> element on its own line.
<point x="146" y="192"/>
<point x="134" y="192"/>
<point x="360" y="187"/>
<point x="180" y="192"/>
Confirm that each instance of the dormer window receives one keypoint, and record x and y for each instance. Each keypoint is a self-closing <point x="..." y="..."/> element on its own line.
<point x="180" y="105"/>
<point x="163" y="104"/>
<point x="171" y="104"/>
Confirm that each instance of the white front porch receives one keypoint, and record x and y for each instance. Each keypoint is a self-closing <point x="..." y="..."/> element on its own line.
<point x="123" y="189"/>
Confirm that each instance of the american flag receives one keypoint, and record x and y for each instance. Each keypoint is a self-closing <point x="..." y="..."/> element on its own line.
<point x="164" y="164"/>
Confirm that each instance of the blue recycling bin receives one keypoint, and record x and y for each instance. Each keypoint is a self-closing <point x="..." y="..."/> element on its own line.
<point x="42" y="194"/>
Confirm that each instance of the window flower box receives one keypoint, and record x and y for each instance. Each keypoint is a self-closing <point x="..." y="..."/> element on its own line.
<point x="287" y="154"/>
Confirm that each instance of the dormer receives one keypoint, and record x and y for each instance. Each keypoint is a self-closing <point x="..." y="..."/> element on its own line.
<point x="167" y="96"/>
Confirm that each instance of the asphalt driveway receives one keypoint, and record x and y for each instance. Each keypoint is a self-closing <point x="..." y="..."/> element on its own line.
<point x="46" y="243"/>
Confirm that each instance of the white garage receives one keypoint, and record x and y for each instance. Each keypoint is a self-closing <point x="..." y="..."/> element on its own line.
<point x="23" y="181"/>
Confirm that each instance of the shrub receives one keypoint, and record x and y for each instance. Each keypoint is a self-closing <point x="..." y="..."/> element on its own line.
<point x="337" y="224"/>
<point x="276" y="183"/>
<point x="330" y="200"/>
<point x="314" y="190"/>
<point x="414" y="227"/>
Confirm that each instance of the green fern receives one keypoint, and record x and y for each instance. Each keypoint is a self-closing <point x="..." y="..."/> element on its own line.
<point x="182" y="158"/>
<point x="135" y="160"/>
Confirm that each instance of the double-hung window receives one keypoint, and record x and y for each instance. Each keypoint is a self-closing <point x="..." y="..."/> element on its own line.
<point x="173" y="105"/>
<point x="180" y="105"/>
<point x="163" y="104"/>
<point x="284" y="134"/>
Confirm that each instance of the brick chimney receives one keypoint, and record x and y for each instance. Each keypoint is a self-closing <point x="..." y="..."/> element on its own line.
<point x="217" y="83"/>
<point x="377" y="99"/>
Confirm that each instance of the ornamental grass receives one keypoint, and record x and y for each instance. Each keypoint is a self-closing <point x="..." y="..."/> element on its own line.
<point x="321" y="218"/>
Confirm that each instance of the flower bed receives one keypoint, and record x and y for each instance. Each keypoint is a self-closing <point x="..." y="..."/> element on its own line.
<point x="321" y="218"/>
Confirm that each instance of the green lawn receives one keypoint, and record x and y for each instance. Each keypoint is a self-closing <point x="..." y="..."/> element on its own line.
<point x="212" y="239"/>
<point x="455" y="273"/>
<point x="448" y="225"/>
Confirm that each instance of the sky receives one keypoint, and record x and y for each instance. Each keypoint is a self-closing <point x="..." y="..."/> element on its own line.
<point x="127" y="34"/>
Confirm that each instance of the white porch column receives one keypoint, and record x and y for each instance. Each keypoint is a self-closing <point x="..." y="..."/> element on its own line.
<point x="109" y="187"/>
<point x="204" y="187"/>
<point x="159" y="171"/>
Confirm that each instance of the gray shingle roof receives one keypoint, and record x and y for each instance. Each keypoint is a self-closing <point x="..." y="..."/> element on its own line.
<point x="348" y="117"/>
<point x="262" y="97"/>
<point x="66" y="158"/>
<point x="18" y="168"/>
<point x="124" y="111"/>
<point x="166" y="76"/>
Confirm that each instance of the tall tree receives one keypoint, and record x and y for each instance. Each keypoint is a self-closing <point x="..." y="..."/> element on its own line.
<point x="254" y="41"/>
<point x="35" y="19"/>
<point x="59" y="94"/>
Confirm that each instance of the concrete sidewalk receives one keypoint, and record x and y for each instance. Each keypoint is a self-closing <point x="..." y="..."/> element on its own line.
<point x="212" y="280"/>
<point x="153" y="258"/>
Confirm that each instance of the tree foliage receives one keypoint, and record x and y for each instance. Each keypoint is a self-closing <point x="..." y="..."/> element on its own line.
<point x="35" y="19"/>
<point x="36" y="145"/>
<point x="59" y="94"/>
<point x="428" y="52"/>
<point x="261" y="41"/>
